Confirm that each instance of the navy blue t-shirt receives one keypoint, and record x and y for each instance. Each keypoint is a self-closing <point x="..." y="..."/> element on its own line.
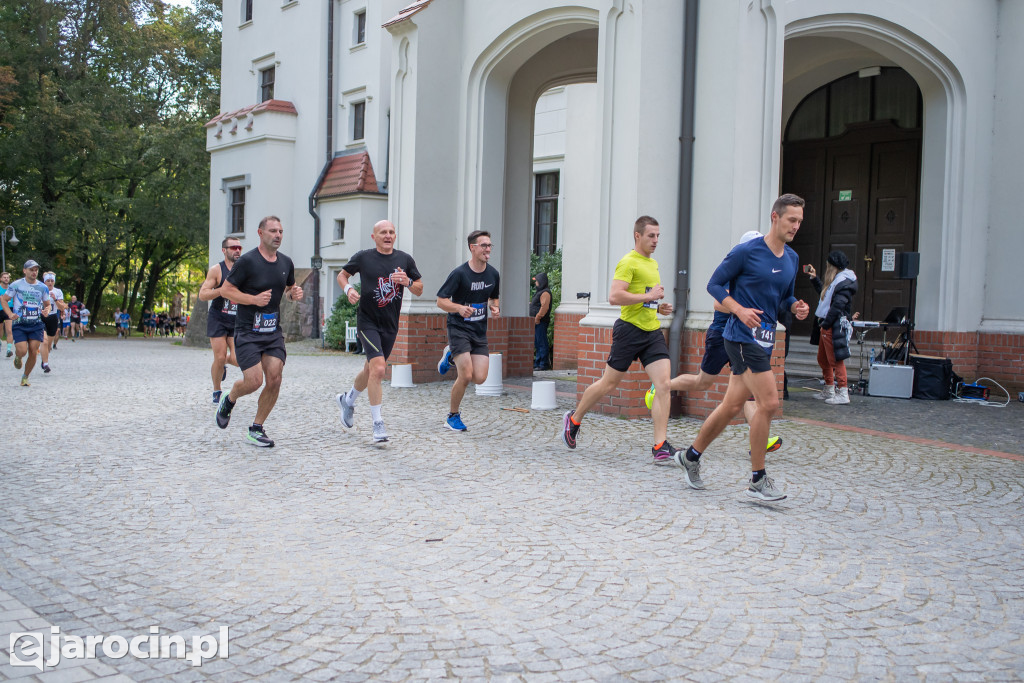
<point x="756" y="278"/>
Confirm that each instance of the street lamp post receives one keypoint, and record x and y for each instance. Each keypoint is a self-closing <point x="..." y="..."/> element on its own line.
<point x="3" y="243"/>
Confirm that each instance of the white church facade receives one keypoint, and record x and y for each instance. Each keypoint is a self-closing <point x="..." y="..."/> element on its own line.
<point x="554" y="124"/>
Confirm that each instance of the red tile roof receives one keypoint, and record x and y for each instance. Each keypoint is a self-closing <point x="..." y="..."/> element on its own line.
<point x="348" y="175"/>
<point x="282" y="106"/>
<point x="407" y="12"/>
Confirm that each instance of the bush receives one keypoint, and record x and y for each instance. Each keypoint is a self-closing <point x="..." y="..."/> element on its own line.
<point x="334" y="330"/>
<point x="552" y="265"/>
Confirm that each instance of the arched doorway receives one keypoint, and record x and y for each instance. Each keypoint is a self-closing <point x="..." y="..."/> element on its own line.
<point x="852" y="149"/>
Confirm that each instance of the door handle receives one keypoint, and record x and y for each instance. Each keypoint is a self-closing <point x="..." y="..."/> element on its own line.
<point x="868" y="258"/>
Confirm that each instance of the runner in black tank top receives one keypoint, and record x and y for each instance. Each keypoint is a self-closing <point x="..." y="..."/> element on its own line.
<point x="220" y="324"/>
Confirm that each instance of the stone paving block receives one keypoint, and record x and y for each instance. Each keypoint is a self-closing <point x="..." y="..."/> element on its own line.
<point x="553" y="565"/>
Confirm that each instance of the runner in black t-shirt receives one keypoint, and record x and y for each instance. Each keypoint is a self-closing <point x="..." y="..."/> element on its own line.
<point x="220" y="322"/>
<point x="465" y="296"/>
<point x="385" y="273"/>
<point x="257" y="282"/>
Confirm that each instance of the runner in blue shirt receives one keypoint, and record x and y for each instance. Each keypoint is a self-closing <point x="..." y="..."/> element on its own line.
<point x="27" y="302"/>
<point x="754" y="281"/>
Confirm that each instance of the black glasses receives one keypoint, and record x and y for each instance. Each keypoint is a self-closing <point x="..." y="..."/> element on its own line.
<point x="484" y="245"/>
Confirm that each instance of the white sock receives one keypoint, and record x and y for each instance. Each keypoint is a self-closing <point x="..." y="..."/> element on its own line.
<point x="353" y="395"/>
<point x="375" y="413"/>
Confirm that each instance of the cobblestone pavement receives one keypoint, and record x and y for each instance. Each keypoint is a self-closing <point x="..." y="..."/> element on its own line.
<point x="494" y="554"/>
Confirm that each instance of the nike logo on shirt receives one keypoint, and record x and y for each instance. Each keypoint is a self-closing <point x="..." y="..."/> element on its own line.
<point x="777" y="271"/>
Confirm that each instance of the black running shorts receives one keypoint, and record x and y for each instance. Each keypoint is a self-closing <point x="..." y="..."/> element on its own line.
<point x="629" y="343"/>
<point x="250" y="347"/>
<point x="463" y="341"/>
<point x="376" y="342"/>
<point x="52" y="323"/>
<point x="220" y="325"/>
<point x="747" y="355"/>
<point x="715" y="358"/>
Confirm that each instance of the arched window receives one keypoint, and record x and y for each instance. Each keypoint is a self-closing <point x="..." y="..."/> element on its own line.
<point x="891" y="95"/>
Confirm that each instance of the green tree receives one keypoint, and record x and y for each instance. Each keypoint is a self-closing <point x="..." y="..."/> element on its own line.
<point x="103" y="168"/>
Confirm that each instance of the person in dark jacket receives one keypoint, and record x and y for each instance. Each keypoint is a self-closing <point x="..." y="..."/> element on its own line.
<point x="540" y="309"/>
<point x="833" y="316"/>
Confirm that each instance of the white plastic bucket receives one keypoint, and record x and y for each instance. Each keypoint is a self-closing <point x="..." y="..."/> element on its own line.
<point x="492" y="386"/>
<point x="401" y="376"/>
<point x="543" y="396"/>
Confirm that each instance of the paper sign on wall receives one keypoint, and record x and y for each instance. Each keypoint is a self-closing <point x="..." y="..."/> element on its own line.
<point x="888" y="260"/>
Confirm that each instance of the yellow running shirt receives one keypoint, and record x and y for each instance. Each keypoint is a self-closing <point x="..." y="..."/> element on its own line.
<point x="642" y="275"/>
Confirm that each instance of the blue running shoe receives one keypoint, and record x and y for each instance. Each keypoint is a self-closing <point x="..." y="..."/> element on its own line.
<point x="445" y="364"/>
<point x="454" y="422"/>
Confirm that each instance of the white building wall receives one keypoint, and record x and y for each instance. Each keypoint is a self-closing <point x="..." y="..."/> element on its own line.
<point x="968" y="78"/>
<point x="1003" y="309"/>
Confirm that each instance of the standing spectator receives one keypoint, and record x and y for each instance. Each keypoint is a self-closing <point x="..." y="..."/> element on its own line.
<point x="833" y="321"/>
<point x="540" y="309"/>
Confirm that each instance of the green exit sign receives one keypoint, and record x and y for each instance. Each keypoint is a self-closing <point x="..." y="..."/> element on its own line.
<point x="845" y="195"/>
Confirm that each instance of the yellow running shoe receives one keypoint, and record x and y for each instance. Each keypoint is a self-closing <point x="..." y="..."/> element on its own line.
<point x="774" y="444"/>
<point x="24" y="381"/>
<point x="649" y="398"/>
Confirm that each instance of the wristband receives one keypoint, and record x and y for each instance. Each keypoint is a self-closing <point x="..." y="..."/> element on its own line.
<point x="348" y="287"/>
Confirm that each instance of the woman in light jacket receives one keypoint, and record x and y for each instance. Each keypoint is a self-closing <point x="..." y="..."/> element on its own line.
<point x="834" y="307"/>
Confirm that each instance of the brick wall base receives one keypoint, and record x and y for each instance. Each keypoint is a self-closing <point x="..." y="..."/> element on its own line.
<point x="701" y="403"/>
<point x="567" y="328"/>
<point x="978" y="354"/>
<point x="627" y="400"/>
<point x="422" y="337"/>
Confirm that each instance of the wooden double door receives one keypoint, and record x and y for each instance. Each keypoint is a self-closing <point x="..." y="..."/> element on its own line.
<point x="861" y="190"/>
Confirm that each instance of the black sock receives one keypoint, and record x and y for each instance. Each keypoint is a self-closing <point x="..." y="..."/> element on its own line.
<point x="452" y="414"/>
<point x="692" y="454"/>
<point x="256" y="426"/>
<point x="229" y="402"/>
<point x="758" y="475"/>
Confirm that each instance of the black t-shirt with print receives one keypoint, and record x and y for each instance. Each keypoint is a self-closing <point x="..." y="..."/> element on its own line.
<point x="253" y="274"/>
<point x="380" y="301"/>
<point x="466" y="287"/>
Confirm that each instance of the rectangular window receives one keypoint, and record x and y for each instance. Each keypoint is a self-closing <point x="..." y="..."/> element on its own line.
<point x="237" y="222"/>
<point x="246" y="10"/>
<point x="358" y="120"/>
<point x="545" y="213"/>
<point x="339" y="230"/>
<point x="359" y="36"/>
<point x="267" y="77"/>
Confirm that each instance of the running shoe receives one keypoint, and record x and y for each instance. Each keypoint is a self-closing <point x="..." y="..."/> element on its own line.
<point x="774" y="444"/>
<point x="649" y="398"/>
<point x="380" y="433"/>
<point x="764" y="489"/>
<point x="691" y="470"/>
<point x="46" y="367"/>
<point x="348" y="411"/>
<point x="216" y="398"/>
<point x="445" y="363"/>
<point x="24" y="381"/>
<point x="224" y="412"/>
<point x="17" y="362"/>
<point x="454" y="423"/>
<point x="258" y="437"/>
<point x="570" y="430"/>
<point x="665" y="454"/>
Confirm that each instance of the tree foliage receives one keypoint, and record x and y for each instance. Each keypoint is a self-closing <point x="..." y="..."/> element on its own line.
<point x="103" y="166"/>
